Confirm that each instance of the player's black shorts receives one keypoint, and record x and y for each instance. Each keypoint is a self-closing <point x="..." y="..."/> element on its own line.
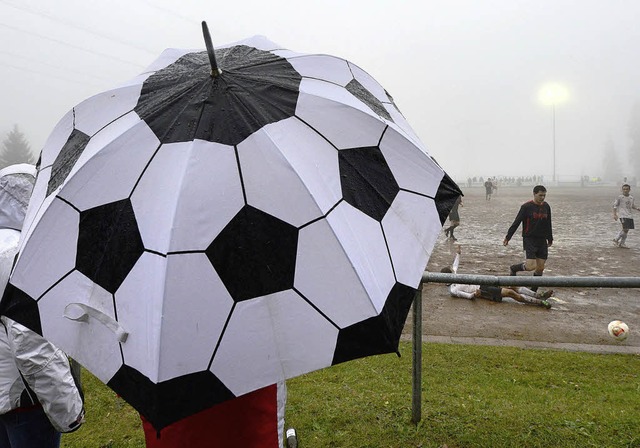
<point x="491" y="292"/>
<point x="627" y="223"/>
<point x="535" y="248"/>
<point x="454" y="216"/>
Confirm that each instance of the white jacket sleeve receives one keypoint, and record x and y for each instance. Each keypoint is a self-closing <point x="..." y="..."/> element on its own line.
<point x="46" y="370"/>
<point x="456" y="291"/>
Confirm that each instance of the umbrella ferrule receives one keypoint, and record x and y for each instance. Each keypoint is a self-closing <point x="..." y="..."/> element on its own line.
<point x="215" y="71"/>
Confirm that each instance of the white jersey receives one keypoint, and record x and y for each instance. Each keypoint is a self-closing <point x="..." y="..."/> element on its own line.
<point x="624" y="206"/>
<point x="463" y="291"/>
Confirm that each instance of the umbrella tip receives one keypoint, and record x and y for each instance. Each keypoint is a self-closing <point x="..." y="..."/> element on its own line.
<point x="215" y="71"/>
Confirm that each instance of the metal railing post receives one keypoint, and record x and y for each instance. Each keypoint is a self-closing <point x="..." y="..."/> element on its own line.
<point x="416" y="400"/>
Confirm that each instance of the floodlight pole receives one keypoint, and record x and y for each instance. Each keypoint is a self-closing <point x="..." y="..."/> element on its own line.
<point x="416" y="400"/>
<point x="553" y="108"/>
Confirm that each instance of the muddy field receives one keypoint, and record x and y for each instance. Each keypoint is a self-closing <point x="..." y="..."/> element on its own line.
<point x="583" y="228"/>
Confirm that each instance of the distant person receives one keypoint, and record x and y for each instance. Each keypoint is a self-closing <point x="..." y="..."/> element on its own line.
<point x="39" y="398"/>
<point x="537" y="235"/>
<point x="488" y="188"/>
<point x="623" y="208"/>
<point x="494" y="293"/>
<point x="454" y="219"/>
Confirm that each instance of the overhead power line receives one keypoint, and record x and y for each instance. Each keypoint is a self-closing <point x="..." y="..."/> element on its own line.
<point x="39" y="63"/>
<point x="77" y="47"/>
<point x="76" y="26"/>
<point x="49" y="75"/>
<point x="172" y="13"/>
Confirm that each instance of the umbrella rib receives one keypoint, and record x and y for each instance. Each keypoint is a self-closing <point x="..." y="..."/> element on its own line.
<point x="224" y="328"/>
<point x="386" y="243"/>
<point x="316" y="308"/>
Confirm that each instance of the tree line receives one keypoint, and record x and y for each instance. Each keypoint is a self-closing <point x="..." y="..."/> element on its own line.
<point x="15" y="149"/>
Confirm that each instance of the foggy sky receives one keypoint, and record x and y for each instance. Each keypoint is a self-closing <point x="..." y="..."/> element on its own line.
<point x="465" y="73"/>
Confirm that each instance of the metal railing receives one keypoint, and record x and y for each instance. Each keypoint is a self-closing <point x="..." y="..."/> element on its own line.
<point x="491" y="280"/>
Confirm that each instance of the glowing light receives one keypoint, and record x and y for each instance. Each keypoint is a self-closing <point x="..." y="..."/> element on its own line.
<point x="552" y="93"/>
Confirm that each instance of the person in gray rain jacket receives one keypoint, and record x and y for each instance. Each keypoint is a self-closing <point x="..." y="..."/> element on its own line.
<point x="39" y="398"/>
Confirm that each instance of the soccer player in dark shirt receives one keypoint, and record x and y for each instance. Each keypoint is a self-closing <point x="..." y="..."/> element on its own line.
<point x="537" y="236"/>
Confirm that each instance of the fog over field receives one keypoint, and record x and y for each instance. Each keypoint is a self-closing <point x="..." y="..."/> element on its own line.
<point x="467" y="74"/>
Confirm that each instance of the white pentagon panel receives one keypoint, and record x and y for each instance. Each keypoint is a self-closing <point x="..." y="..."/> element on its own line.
<point x="413" y="170"/>
<point x="196" y="308"/>
<point x="288" y="163"/>
<point x="338" y="115"/>
<point x="188" y="194"/>
<point x="57" y="139"/>
<point x="325" y="275"/>
<point x="89" y="340"/>
<point x="323" y="67"/>
<point x="136" y="80"/>
<point x="116" y="166"/>
<point x="286" y="54"/>
<point x="98" y="111"/>
<point x="38" y="196"/>
<point x="258" y="41"/>
<point x="138" y="302"/>
<point x="411" y="226"/>
<point x="261" y="330"/>
<point x="362" y="240"/>
<point x="369" y="83"/>
<point x="51" y="252"/>
<point x="104" y="137"/>
<point x="402" y="126"/>
<point x="176" y="305"/>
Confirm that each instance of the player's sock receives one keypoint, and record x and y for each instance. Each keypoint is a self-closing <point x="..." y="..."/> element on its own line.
<point x="623" y="238"/>
<point x="516" y="268"/>
<point x="536" y="274"/>
<point x="525" y="292"/>
<point x="532" y="300"/>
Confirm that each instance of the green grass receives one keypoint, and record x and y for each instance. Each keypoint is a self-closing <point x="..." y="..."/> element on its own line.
<point x="473" y="396"/>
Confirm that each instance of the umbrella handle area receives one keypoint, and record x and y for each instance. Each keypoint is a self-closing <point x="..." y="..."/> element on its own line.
<point x="80" y="312"/>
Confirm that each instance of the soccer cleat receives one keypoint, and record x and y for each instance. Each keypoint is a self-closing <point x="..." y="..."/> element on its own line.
<point x="623" y="246"/>
<point x="512" y="272"/>
<point x="545" y="304"/>
<point x="615" y="241"/>
<point x="545" y="295"/>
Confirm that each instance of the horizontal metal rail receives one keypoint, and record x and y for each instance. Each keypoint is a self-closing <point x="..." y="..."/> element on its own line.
<point x="492" y="280"/>
<point x="529" y="280"/>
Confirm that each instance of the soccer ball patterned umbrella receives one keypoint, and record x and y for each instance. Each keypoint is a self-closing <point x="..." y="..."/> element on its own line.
<point x="196" y="234"/>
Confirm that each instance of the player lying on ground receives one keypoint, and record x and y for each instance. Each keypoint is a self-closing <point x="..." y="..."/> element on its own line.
<point x="494" y="293"/>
